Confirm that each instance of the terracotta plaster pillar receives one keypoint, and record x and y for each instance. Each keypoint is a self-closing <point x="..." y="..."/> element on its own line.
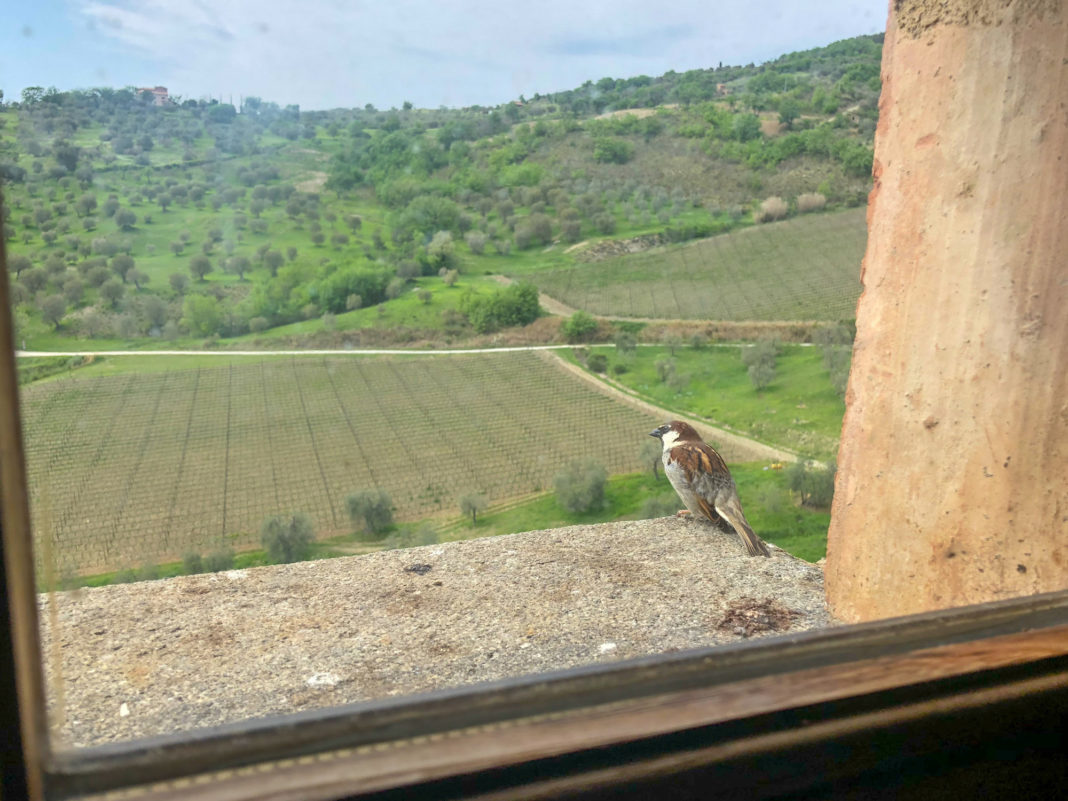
<point x="953" y="466"/>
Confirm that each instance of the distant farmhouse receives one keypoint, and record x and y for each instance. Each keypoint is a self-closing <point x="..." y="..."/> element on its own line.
<point x="160" y="97"/>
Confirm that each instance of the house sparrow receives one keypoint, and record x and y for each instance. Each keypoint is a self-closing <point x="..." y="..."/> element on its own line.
<point x="703" y="482"/>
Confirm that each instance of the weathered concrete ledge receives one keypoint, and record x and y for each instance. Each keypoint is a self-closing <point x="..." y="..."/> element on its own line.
<point x="183" y="653"/>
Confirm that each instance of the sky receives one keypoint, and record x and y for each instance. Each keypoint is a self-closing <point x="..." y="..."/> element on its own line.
<point x="323" y="54"/>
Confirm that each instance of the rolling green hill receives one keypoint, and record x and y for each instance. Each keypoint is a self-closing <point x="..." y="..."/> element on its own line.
<point x="135" y="224"/>
<point x="805" y="268"/>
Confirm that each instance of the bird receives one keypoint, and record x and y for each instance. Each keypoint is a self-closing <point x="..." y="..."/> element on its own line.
<point x="703" y="482"/>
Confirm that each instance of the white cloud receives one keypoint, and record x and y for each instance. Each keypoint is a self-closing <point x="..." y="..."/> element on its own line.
<point x="325" y="53"/>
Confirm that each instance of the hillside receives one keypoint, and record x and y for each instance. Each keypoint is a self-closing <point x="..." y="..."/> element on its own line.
<point x="130" y="224"/>
<point x="804" y="268"/>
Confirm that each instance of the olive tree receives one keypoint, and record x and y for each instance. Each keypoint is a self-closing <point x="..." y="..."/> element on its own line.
<point x="287" y="538"/>
<point x="373" y="508"/>
<point x="580" y="486"/>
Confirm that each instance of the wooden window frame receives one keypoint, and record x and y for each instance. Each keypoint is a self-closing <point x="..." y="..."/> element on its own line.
<point x="922" y="702"/>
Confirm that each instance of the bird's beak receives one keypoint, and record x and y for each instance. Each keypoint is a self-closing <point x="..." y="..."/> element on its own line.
<point x="658" y="432"/>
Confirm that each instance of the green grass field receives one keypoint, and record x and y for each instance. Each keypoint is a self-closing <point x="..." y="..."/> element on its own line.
<point x="144" y="466"/>
<point x="765" y="497"/>
<point x="804" y="268"/>
<point x="799" y="410"/>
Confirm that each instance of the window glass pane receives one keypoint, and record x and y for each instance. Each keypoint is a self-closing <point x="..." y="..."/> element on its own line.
<point x="314" y="302"/>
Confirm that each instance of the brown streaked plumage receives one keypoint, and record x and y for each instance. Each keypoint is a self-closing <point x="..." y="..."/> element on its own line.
<point x="703" y="482"/>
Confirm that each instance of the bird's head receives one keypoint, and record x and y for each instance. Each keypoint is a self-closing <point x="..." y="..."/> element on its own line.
<point x="674" y="432"/>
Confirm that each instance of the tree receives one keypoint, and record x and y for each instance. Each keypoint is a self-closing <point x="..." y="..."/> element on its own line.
<point x="273" y="259"/>
<point x="137" y="277"/>
<point x="746" y="127"/>
<point x="579" y="327"/>
<point x="789" y="110"/>
<point x="125" y="219"/>
<point x="66" y="154"/>
<point x="580" y="487"/>
<point x="441" y="252"/>
<point x="201" y="315"/>
<point x="238" y="265"/>
<point x="17" y="264"/>
<point x="760" y="359"/>
<point x="199" y="266"/>
<point x="287" y="538"/>
<point x="813" y="482"/>
<point x="73" y="289"/>
<point x="626" y="342"/>
<point x="112" y="291"/>
<point x="611" y="150"/>
<point x="122" y="264"/>
<point x="651" y="455"/>
<point x="34" y="279"/>
<point x="371" y="507"/>
<point x="86" y="204"/>
<point x="512" y="306"/>
<point x="154" y="310"/>
<point x="472" y="504"/>
<point x="53" y="308"/>
<point x="178" y="283"/>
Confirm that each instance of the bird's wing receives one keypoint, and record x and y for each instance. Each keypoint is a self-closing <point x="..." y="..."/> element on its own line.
<point x="709" y="486"/>
<point x="697" y="470"/>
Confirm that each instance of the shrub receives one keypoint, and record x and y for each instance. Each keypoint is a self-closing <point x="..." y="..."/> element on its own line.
<point x="626" y="342"/>
<point x="371" y="508"/>
<point x="598" y="363"/>
<point x="774" y="208"/>
<point x="258" y="324"/>
<point x="579" y="327"/>
<point x="605" y="223"/>
<point x="148" y="572"/>
<point x="761" y="375"/>
<point x="580" y="487"/>
<point x="611" y="150"/>
<point x="660" y="506"/>
<point x="192" y="563"/>
<point x="125" y="576"/>
<point x="476" y="240"/>
<point x="665" y="368"/>
<point x="217" y="561"/>
<point x="287" y="538"/>
<point x="411" y="538"/>
<point x="512" y="306"/>
<point x="810" y="201"/>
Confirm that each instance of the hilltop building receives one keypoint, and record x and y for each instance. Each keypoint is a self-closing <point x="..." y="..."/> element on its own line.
<point x="160" y="96"/>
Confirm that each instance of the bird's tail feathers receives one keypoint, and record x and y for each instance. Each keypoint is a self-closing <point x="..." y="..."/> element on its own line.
<point x="731" y="511"/>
